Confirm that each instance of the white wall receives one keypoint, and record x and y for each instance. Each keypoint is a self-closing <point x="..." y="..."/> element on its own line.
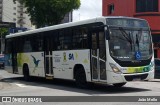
<point x="11" y="14"/>
<point x="8" y="11"/>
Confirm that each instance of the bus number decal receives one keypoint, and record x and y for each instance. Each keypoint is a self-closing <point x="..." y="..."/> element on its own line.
<point x="71" y="56"/>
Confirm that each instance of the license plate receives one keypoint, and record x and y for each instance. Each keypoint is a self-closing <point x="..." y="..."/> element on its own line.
<point x="136" y="79"/>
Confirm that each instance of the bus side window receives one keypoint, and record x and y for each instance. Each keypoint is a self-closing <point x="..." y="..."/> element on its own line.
<point x="80" y="38"/>
<point x="83" y="43"/>
<point x="27" y="47"/>
<point x="56" y="41"/>
<point x="67" y="39"/>
<point x="8" y="46"/>
<point x="39" y="43"/>
<point x="58" y="45"/>
<point x="60" y="39"/>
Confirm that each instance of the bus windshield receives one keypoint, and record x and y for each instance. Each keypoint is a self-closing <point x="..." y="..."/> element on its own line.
<point x="128" y="44"/>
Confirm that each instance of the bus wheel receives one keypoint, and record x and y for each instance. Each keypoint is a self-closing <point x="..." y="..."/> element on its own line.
<point x="26" y="73"/>
<point x="119" y="84"/>
<point x="80" y="78"/>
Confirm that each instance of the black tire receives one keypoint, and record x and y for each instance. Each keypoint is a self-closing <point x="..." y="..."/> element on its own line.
<point x="119" y="84"/>
<point x="26" y="73"/>
<point x="80" y="78"/>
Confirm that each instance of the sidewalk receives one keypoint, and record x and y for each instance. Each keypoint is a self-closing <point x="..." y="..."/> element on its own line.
<point x="5" y="74"/>
<point x="154" y="80"/>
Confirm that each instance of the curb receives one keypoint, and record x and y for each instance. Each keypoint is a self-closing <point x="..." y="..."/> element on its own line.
<point x="154" y="80"/>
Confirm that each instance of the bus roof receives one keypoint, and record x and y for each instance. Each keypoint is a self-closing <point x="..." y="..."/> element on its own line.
<point x="65" y="25"/>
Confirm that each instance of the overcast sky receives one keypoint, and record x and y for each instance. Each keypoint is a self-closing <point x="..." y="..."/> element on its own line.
<point x="88" y="9"/>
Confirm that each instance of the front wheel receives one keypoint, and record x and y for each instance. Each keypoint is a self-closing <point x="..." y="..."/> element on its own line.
<point x="119" y="84"/>
<point x="80" y="78"/>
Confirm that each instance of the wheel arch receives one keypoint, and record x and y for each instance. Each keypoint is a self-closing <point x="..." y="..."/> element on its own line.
<point x="26" y="72"/>
<point x="76" y="68"/>
<point x="25" y="65"/>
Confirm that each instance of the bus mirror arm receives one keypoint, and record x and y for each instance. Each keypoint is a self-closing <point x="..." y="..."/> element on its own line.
<point x="107" y="34"/>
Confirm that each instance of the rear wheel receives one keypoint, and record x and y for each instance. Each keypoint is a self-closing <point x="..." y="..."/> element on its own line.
<point x="119" y="84"/>
<point x="26" y="73"/>
<point x="80" y="78"/>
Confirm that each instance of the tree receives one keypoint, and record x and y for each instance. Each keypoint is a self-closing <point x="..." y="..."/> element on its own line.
<point x="48" y="12"/>
<point x="3" y="32"/>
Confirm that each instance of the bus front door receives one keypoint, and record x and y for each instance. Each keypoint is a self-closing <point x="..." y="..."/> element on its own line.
<point x="48" y="58"/>
<point x="98" y="56"/>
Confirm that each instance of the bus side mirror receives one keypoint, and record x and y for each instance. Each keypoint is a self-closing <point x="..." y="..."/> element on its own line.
<point x="107" y="35"/>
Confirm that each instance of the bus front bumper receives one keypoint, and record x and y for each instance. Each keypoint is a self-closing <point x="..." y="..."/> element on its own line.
<point x="121" y="78"/>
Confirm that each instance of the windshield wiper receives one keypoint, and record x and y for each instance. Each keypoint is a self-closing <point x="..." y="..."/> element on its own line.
<point x="137" y="41"/>
<point x="138" y="38"/>
<point x="127" y="36"/>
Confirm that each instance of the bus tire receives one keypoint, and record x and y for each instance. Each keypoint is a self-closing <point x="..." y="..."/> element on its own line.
<point x="26" y="73"/>
<point x="119" y="84"/>
<point x="80" y="78"/>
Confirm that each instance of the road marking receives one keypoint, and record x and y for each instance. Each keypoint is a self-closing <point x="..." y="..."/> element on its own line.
<point x="21" y="85"/>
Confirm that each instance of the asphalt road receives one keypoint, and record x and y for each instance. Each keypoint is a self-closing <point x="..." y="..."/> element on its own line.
<point x="14" y="85"/>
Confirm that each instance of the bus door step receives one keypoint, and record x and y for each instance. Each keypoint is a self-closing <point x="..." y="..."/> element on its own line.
<point x="49" y="76"/>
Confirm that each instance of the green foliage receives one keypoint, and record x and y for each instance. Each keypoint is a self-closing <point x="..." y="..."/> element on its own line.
<point x="3" y="31"/>
<point x="49" y="12"/>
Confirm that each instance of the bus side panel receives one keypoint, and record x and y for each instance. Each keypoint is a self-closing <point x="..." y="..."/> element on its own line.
<point x="35" y="62"/>
<point x="65" y="61"/>
<point x="8" y="63"/>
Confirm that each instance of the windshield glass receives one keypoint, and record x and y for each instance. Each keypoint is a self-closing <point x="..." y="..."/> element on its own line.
<point x="128" y="44"/>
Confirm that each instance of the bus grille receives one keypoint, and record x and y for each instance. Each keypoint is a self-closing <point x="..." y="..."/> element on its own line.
<point x="132" y="77"/>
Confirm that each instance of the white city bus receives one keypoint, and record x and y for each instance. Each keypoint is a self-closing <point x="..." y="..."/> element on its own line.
<point x="108" y="50"/>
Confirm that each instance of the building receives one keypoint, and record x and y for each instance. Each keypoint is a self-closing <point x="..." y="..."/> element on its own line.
<point x="68" y="18"/>
<point x="14" y="12"/>
<point x="1" y="10"/>
<point x="145" y="9"/>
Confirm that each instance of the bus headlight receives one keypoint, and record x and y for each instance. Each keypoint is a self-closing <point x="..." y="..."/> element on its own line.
<point x="152" y="65"/>
<point x="115" y="68"/>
